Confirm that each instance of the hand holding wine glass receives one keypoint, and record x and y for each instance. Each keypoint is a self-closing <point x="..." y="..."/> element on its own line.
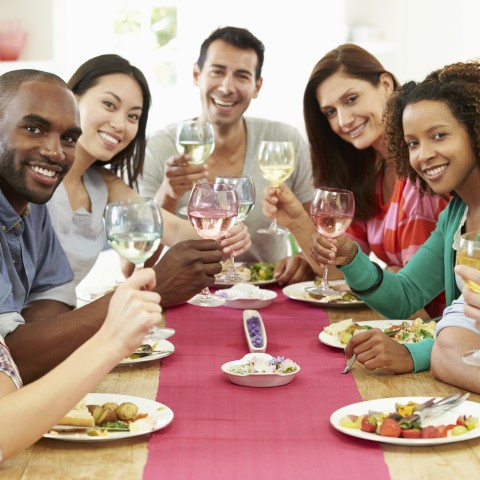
<point x="134" y="228"/>
<point x="212" y="210"/>
<point x="276" y="161"/>
<point x="245" y="189"/>
<point x="332" y="212"/>
<point x="468" y="253"/>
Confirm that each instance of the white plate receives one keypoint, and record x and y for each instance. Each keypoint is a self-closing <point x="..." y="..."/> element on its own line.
<point x="251" y="303"/>
<point x="94" y="292"/>
<point x="257" y="379"/>
<point x="159" y="416"/>
<point x="388" y="405"/>
<point x="296" y="291"/>
<point x="165" y="346"/>
<point x="333" y="341"/>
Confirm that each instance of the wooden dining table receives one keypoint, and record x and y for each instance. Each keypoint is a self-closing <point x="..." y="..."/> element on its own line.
<point x="126" y="459"/>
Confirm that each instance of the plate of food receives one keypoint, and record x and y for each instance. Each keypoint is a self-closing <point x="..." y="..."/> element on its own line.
<point x="259" y="273"/>
<point x="344" y="299"/>
<point x="102" y="417"/>
<point x="147" y="352"/>
<point x="261" y="370"/>
<point x="409" y="331"/>
<point x="87" y="294"/>
<point x="381" y="421"/>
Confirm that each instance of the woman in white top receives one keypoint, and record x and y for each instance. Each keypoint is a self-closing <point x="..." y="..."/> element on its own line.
<point x="114" y="100"/>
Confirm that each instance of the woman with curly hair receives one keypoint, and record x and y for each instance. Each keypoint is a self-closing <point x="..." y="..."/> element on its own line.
<point x="433" y="137"/>
<point x="344" y="102"/>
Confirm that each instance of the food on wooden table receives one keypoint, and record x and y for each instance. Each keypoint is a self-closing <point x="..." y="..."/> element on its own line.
<point x="259" y="364"/>
<point x="408" y="331"/>
<point x="79" y="416"/>
<point x="254" y="272"/>
<point x="398" y="424"/>
<point x="110" y="415"/>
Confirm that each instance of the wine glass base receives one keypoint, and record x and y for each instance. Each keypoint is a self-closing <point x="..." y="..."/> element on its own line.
<point x="201" y="300"/>
<point x="230" y="278"/>
<point x="274" y="231"/>
<point x="321" y="291"/>
<point x="472" y="358"/>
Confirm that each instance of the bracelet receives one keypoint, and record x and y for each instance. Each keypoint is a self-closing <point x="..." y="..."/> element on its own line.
<point x="374" y="286"/>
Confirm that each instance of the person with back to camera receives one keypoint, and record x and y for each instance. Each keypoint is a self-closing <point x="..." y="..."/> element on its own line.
<point x="433" y="136"/>
<point x="228" y="73"/>
<point x="33" y="410"/>
<point x="114" y="101"/>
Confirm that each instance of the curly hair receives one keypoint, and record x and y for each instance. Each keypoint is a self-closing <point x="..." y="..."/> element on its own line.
<point x="129" y="162"/>
<point x="458" y="86"/>
<point x="335" y="162"/>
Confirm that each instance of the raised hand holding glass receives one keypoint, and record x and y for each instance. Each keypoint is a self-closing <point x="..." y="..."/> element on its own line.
<point x="468" y="253"/>
<point x="332" y="212"/>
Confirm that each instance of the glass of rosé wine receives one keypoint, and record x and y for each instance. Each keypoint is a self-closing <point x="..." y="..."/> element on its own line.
<point x="332" y="212"/>
<point x="212" y="210"/>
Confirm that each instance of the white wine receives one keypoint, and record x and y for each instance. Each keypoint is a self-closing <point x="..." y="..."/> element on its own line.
<point x="244" y="208"/>
<point x="198" y="150"/>
<point x="212" y="223"/>
<point x="136" y="247"/>
<point x="276" y="174"/>
<point x="472" y="260"/>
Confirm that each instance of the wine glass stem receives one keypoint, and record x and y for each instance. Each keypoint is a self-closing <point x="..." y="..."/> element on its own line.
<point x="231" y="268"/>
<point x="205" y="293"/>
<point x="324" y="277"/>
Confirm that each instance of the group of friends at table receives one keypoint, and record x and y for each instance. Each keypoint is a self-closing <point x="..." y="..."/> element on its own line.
<point x="410" y="154"/>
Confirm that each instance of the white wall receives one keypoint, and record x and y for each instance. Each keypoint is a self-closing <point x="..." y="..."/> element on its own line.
<point x="413" y="37"/>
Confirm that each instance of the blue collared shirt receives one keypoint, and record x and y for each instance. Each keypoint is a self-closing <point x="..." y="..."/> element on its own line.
<point x="33" y="265"/>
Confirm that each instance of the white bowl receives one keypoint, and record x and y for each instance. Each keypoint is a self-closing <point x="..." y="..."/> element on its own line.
<point x="247" y="314"/>
<point x="257" y="379"/>
<point x="246" y="296"/>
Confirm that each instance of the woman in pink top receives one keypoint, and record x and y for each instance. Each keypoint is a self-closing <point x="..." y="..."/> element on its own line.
<point x="343" y="108"/>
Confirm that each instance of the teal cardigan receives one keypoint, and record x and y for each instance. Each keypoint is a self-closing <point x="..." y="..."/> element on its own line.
<point x="429" y="272"/>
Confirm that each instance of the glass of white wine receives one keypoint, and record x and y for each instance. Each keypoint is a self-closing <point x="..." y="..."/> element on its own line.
<point x="332" y="213"/>
<point x="276" y="161"/>
<point x="195" y="137"/>
<point x="468" y="253"/>
<point x="134" y="228"/>
<point x="245" y="188"/>
<point x="212" y="210"/>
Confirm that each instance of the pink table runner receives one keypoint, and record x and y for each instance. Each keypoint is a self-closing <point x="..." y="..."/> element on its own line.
<point x="224" y="431"/>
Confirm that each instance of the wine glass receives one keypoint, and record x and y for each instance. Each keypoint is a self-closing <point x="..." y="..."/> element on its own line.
<point x="468" y="253"/>
<point x="134" y="228"/>
<point x="332" y="212"/>
<point x="195" y="137"/>
<point x="245" y="189"/>
<point x="276" y="161"/>
<point x="212" y="210"/>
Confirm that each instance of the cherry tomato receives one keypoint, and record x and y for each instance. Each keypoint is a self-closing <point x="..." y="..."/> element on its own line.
<point x="369" y="424"/>
<point x="390" y="428"/>
<point x="411" y="433"/>
<point x="430" y="432"/>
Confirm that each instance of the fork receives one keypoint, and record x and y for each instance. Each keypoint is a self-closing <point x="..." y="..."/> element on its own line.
<point x="430" y="407"/>
<point x="352" y="359"/>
